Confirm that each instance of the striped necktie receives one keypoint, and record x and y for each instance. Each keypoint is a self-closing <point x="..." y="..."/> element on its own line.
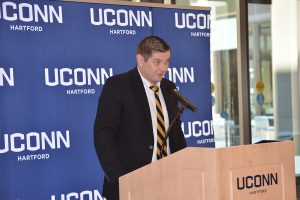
<point x="161" y="131"/>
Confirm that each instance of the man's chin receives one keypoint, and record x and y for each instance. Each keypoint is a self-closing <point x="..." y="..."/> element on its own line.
<point x="157" y="79"/>
<point x="160" y="78"/>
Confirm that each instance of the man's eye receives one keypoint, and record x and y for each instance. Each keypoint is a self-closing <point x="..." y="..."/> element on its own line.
<point x="156" y="62"/>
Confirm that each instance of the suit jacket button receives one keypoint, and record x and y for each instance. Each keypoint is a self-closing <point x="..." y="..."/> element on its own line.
<point x="151" y="147"/>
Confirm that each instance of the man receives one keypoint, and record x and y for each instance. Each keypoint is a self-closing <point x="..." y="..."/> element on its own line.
<point x="134" y="112"/>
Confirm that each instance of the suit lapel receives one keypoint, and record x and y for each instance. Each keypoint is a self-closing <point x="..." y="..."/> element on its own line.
<point x="141" y="94"/>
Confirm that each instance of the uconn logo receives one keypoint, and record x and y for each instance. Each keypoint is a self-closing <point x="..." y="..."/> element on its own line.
<point x="192" y="21"/>
<point x="197" y="128"/>
<point x="34" y="141"/>
<point x="120" y="17"/>
<point x="76" y="76"/>
<point x="27" y="12"/>
<point x="257" y="181"/>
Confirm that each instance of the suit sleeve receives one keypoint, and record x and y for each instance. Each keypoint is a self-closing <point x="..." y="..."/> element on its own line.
<point x="179" y="139"/>
<point x="106" y="126"/>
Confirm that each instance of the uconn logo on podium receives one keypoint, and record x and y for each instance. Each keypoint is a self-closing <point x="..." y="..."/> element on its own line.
<point x="257" y="181"/>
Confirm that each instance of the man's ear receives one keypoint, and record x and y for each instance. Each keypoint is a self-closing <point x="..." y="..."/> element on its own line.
<point x="139" y="59"/>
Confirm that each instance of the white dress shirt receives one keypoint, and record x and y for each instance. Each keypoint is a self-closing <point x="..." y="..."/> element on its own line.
<point x="152" y="106"/>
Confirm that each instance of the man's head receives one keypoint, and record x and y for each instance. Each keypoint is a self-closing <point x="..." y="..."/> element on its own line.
<point x="153" y="55"/>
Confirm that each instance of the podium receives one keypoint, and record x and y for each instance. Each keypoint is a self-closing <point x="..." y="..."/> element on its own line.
<point x="259" y="171"/>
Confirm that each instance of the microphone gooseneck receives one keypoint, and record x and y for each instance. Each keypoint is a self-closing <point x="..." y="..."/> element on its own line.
<point x="183" y="100"/>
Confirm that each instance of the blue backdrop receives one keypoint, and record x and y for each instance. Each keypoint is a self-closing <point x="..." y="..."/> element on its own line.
<point x="54" y="60"/>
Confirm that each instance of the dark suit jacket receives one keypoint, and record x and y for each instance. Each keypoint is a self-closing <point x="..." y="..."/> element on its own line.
<point x="123" y="128"/>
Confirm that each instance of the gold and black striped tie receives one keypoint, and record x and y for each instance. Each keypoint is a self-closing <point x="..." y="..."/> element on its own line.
<point x="161" y="131"/>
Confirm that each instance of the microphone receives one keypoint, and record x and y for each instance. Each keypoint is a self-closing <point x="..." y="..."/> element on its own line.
<point x="183" y="100"/>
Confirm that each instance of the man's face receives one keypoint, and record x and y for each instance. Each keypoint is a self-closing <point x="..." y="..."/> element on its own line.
<point x="155" y="67"/>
